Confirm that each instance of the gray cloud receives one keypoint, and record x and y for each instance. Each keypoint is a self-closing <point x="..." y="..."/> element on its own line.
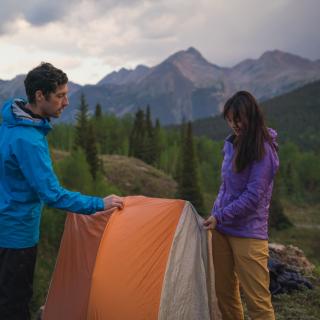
<point x="41" y="12"/>
<point x="34" y="12"/>
<point x="117" y="33"/>
<point x="296" y="28"/>
<point x="225" y="32"/>
<point x="46" y="12"/>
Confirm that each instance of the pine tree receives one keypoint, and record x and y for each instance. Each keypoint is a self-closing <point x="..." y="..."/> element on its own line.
<point x="74" y="172"/>
<point x="150" y="152"/>
<point x="156" y="143"/>
<point x="92" y="152"/>
<point x="148" y="121"/>
<point x="138" y="136"/>
<point x="188" y="184"/>
<point x="98" y="111"/>
<point x="178" y="169"/>
<point x="277" y="218"/>
<point x="144" y="141"/>
<point x="99" y="127"/>
<point x="85" y="138"/>
<point x="82" y="125"/>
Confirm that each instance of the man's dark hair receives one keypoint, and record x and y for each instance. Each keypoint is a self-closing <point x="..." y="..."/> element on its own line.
<point x="46" y="78"/>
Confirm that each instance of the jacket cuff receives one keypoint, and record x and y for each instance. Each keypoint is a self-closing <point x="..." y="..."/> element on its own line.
<point x="100" y="204"/>
<point x="217" y="214"/>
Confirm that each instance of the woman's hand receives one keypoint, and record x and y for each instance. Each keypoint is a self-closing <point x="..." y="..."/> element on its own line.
<point x="210" y="223"/>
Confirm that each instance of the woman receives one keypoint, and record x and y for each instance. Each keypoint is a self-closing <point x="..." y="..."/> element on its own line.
<point x="239" y="217"/>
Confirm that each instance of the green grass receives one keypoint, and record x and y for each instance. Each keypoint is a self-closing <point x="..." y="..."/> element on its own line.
<point x="305" y="233"/>
<point x="303" y="214"/>
<point x="52" y="225"/>
<point x="306" y="239"/>
<point x="301" y="305"/>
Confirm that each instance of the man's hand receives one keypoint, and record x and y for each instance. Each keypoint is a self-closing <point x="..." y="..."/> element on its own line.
<point x="210" y="223"/>
<point x="109" y="211"/>
<point x="113" y="202"/>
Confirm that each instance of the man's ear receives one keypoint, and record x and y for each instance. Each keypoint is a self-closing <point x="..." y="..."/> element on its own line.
<point x="39" y="96"/>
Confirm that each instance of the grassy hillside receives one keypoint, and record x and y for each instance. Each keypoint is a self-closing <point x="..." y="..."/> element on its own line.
<point x="296" y="116"/>
<point x="134" y="177"/>
<point x="301" y="305"/>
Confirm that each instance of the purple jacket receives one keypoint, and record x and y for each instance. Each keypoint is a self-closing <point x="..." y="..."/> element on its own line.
<point x="242" y="205"/>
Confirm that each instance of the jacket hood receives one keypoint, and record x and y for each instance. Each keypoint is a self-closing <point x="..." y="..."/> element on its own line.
<point x="273" y="134"/>
<point x="14" y="115"/>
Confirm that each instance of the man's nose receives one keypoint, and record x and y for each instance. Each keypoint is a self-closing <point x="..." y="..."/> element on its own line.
<point x="65" y="101"/>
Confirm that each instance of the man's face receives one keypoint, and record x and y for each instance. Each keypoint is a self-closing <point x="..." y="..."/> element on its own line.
<point x="53" y="106"/>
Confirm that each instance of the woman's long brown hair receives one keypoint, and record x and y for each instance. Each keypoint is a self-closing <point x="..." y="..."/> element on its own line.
<point x="249" y="145"/>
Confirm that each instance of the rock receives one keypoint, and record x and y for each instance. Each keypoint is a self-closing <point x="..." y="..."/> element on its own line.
<point x="291" y="256"/>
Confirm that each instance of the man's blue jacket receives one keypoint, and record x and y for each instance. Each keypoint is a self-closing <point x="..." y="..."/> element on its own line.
<point x="27" y="179"/>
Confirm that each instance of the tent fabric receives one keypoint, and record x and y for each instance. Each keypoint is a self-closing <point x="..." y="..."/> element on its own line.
<point x="147" y="261"/>
<point x="71" y="281"/>
<point x="187" y="269"/>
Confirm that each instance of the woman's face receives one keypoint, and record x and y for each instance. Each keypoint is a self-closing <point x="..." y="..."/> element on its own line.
<point x="235" y="124"/>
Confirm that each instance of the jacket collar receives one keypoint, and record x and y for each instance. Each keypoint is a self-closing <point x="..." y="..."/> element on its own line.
<point x="15" y="113"/>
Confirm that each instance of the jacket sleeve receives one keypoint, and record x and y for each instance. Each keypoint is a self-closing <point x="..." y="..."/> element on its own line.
<point x="35" y="163"/>
<point x="214" y="211"/>
<point x="261" y="176"/>
<point x="216" y="204"/>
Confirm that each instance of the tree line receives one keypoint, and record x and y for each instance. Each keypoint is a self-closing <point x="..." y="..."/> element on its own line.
<point x="194" y="162"/>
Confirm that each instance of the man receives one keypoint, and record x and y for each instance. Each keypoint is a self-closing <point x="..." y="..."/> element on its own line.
<point x="27" y="181"/>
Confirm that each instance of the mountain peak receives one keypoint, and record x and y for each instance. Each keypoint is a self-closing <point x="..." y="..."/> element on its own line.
<point x="190" y="53"/>
<point x="141" y="67"/>
<point x="195" y="67"/>
<point x="125" y="76"/>
<point x="284" y="58"/>
<point x="194" y="51"/>
<point x="272" y="53"/>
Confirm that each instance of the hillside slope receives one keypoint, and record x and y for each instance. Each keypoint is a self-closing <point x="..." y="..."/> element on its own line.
<point x="134" y="177"/>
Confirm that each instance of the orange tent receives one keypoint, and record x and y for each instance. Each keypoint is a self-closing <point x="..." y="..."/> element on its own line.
<point x="147" y="261"/>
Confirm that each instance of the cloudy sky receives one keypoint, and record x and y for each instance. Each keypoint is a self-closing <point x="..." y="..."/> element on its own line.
<point x="90" y="38"/>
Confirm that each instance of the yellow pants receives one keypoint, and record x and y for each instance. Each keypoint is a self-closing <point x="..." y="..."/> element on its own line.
<point x="242" y="260"/>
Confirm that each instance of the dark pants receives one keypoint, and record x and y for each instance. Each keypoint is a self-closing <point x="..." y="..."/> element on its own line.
<point x="16" y="280"/>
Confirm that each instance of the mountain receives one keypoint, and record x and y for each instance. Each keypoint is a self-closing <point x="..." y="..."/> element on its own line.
<point x="15" y="88"/>
<point x="295" y="116"/>
<point x="12" y="88"/>
<point x="197" y="69"/>
<point x="274" y="73"/>
<point x="186" y="85"/>
<point x="125" y="76"/>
